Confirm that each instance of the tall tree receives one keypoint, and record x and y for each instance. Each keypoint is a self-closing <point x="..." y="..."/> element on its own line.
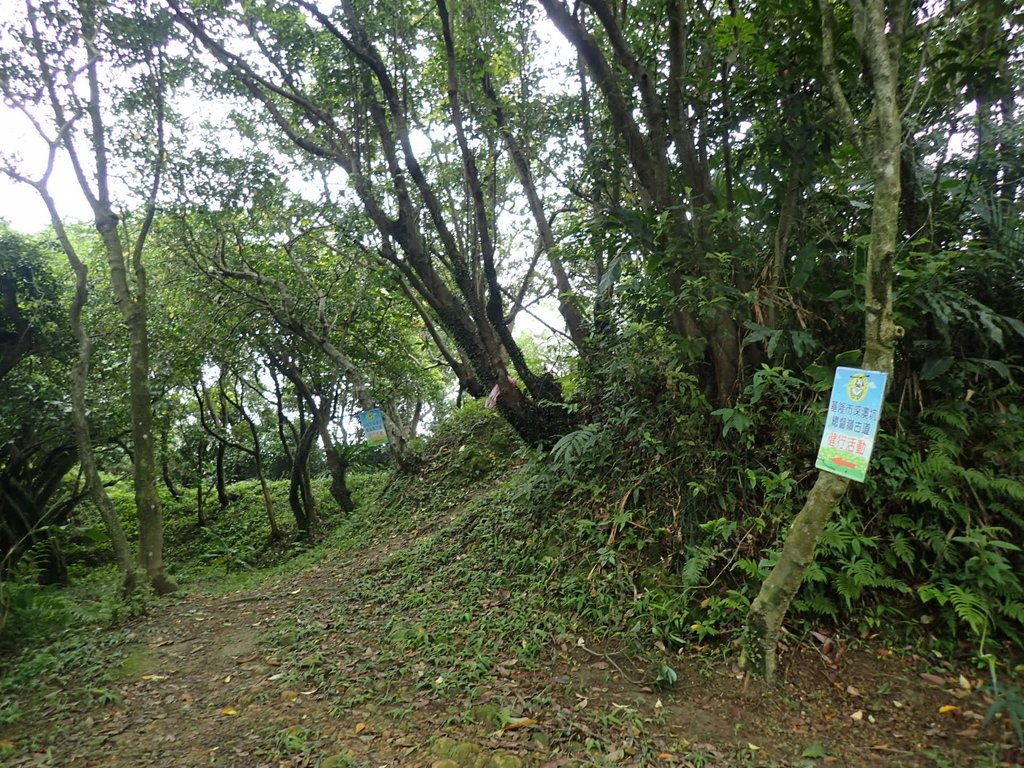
<point x="879" y="28"/>
<point x="666" y="88"/>
<point x="349" y="88"/>
<point x="66" y="59"/>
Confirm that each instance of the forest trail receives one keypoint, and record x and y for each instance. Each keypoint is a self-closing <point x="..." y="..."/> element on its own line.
<point x="328" y="667"/>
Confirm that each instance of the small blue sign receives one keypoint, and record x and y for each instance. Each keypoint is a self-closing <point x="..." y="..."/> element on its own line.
<point x="852" y="422"/>
<point x="372" y="422"/>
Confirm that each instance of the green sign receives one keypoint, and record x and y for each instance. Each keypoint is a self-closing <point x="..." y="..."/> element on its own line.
<point x="852" y="421"/>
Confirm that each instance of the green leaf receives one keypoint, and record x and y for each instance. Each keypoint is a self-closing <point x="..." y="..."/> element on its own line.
<point x="935" y="367"/>
<point x="803" y="266"/>
<point x="815" y="751"/>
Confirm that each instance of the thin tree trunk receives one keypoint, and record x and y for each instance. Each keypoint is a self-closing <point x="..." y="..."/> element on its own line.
<point x="79" y="410"/>
<point x="133" y="311"/>
<point x="221" y="419"/>
<point x="219" y="480"/>
<point x="879" y="142"/>
<point x="165" y="468"/>
<point x="94" y="184"/>
<point x="257" y="455"/>
<point x="201" y="486"/>
<point x="338" y="468"/>
<point x="300" y="492"/>
<point x="268" y="503"/>
<point x="147" y="502"/>
<point x="165" y="472"/>
<point x="780" y="241"/>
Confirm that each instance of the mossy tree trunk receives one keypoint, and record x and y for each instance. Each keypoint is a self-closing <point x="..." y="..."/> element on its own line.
<point x="144" y="466"/>
<point x="79" y="408"/>
<point x="58" y="72"/>
<point x="878" y="30"/>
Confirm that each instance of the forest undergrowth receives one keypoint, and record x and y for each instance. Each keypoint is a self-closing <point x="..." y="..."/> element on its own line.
<point x="447" y="622"/>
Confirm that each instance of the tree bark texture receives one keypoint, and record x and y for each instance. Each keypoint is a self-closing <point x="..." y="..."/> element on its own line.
<point x="300" y="492"/>
<point x="79" y="410"/>
<point x="879" y="139"/>
<point x="144" y="467"/>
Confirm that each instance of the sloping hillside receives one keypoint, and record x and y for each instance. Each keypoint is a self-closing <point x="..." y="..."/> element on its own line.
<point x="428" y="631"/>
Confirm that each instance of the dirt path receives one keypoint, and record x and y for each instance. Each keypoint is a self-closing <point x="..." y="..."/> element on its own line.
<point x="324" y="668"/>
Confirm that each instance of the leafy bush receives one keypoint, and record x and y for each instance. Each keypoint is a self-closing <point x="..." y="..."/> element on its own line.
<point x="29" y="610"/>
<point x="677" y="511"/>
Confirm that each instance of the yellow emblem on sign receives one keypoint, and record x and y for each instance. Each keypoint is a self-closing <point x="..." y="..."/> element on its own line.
<point x="857" y="387"/>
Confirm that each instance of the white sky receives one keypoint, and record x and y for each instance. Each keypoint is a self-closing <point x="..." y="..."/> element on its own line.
<point x="20" y="205"/>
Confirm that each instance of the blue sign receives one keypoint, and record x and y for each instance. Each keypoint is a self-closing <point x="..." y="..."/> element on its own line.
<point x="372" y="422"/>
<point x="852" y="422"/>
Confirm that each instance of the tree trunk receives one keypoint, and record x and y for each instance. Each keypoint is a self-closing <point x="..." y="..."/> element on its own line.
<point x="165" y="466"/>
<point x="300" y="492"/>
<point x="268" y="503"/>
<point x="767" y="612"/>
<point x="133" y="310"/>
<point x="165" y="471"/>
<point x="257" y="455"/>
<point x="79" y="413"/>
<point x="879" y="141"/>
<point x="338" y="467"/>
<point x="85" y="101"/>
<point x="218" y="473"/>
<point x="220" y="417"/>
<point x="201" y="486"/>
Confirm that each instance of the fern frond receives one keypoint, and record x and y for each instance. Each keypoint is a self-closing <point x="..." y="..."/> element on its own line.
<point x="970" y="608"/>
<point x="1012" y="609"/>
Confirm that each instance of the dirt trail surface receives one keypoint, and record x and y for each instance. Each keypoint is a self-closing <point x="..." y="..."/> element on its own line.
<point x="318" y="669"/>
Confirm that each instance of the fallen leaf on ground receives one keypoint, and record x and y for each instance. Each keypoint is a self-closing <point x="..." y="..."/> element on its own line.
<point x="946" y="709"/>
<point x="515" y="723"/>
<point x="230" y="711"/>
<point x="815" y="751"/>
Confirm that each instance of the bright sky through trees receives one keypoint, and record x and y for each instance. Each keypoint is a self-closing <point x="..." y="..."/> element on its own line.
<point x="21" y="206"/>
